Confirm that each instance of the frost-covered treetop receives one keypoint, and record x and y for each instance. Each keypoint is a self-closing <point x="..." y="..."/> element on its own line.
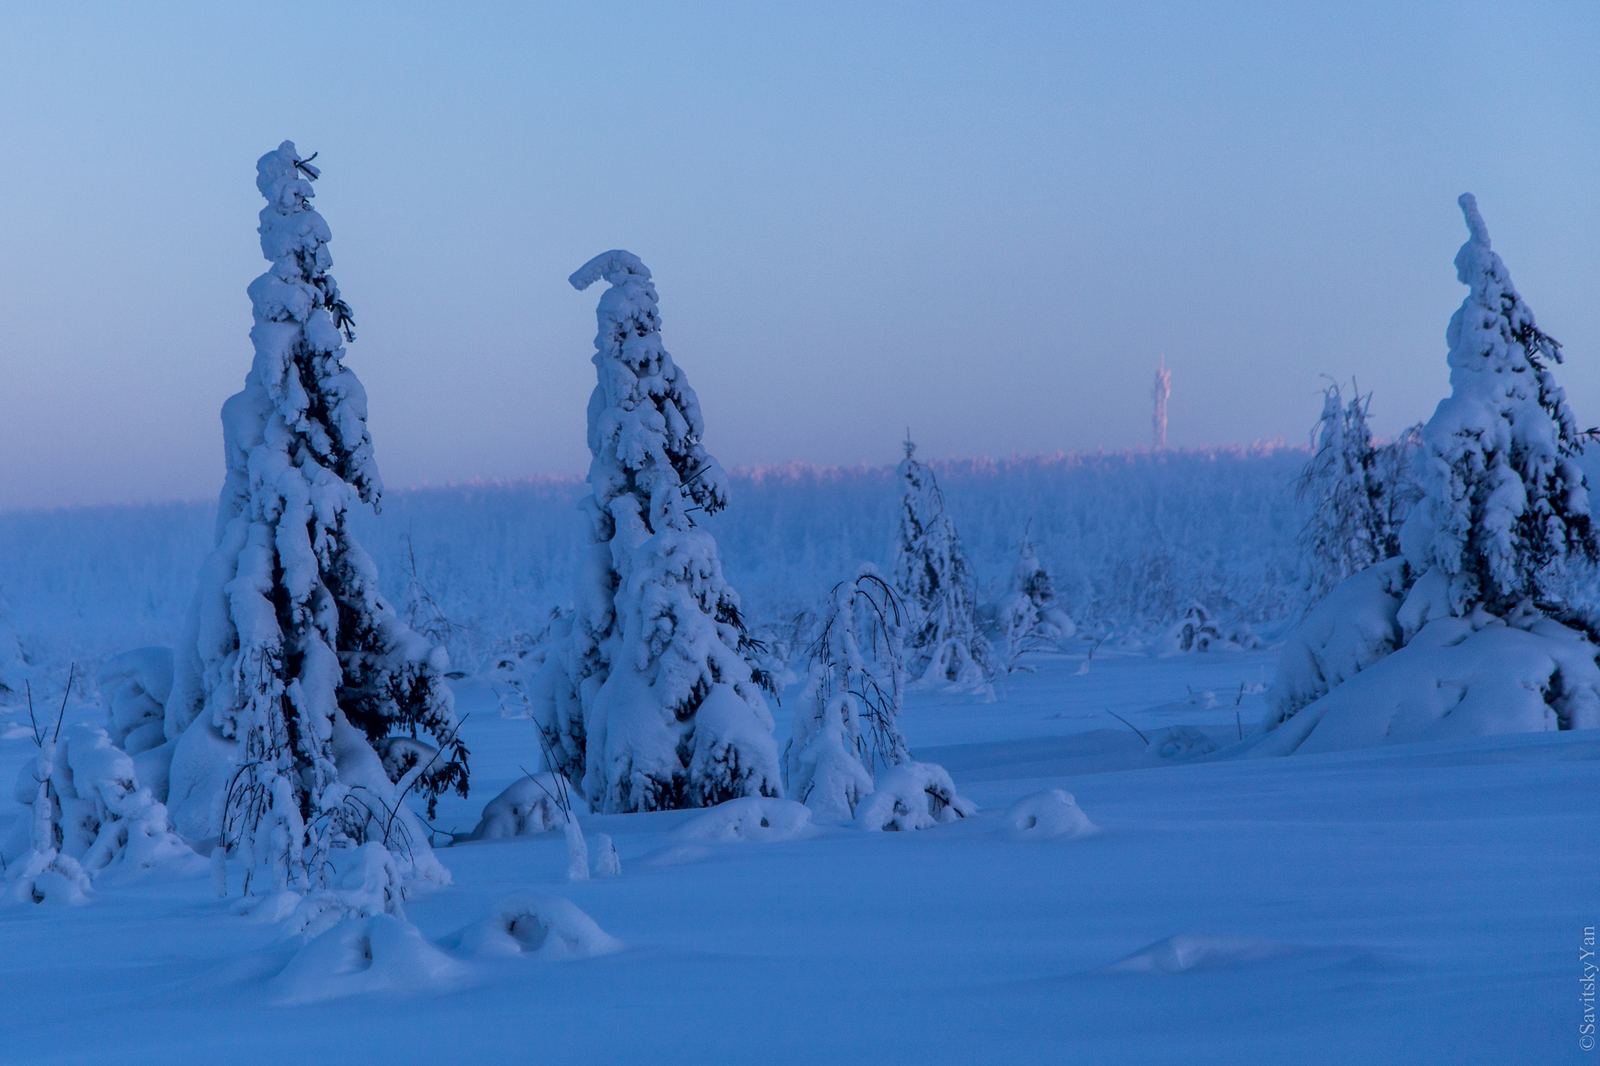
<point x="1506" y="504"/>
<point x="644" y="419"/>
<point x="1493" y="332"/>
<point x="298" y="311"/>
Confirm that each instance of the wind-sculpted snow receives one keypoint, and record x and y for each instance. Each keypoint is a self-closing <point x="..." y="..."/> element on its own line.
<point x="756" y="819"/>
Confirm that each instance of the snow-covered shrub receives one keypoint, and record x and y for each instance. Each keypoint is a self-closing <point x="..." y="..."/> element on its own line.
<point x="1358" y="493"/>
<point x="846" y="725"/>
<point x="653" y="698"/>
<point x="606" y="861"/>
<point x="134" y="686"/>
<point x="88" y="818"/>
<point x="546" y="927"/>
<point x="757" y="819"/>
<point x="1049" y="815"/>
<point x="362" y="882"/>
<point x="1028" y="617"/>
<point x="294" y="670"/>
<point x="913" y="795"/>
<point x="932" y="574"/>
<point x="528" y="805"/>
<point x="1465" y="636"/>
<point x="380" y="953"/>
<point x="1199" y="630"/>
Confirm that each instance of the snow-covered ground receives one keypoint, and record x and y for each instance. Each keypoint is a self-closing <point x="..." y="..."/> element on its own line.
<point x="1405" y="904"/>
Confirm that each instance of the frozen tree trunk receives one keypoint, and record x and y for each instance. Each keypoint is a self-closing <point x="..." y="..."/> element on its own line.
<point x="652" y="698"/>
<point x="300" y="696"/>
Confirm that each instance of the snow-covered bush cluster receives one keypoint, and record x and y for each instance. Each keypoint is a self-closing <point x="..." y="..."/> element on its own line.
<point x="89" y="817"/>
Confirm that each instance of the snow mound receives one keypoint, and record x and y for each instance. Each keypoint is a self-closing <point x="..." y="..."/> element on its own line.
<point x="1454" y="679"/>
<point x="1178" y="743"/>
<point x="1187" y="952"/>
<point x="755" y="819"/>
<point x="1049" y="815"/>
<point x="547" y="927"/>
<point x="1352" y="628"/>
<point x="364" y="955"/>
<point x="527" y="806"/>
<point x="913" y="795"/>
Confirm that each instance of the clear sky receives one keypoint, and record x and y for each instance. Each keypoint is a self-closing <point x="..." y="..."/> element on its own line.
<point x="986" y="221"/>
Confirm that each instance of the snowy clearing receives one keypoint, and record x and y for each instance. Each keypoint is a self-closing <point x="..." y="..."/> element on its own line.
<point x="1233" y="912"/>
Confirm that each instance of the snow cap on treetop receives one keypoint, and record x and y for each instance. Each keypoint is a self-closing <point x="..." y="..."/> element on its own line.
<point x="1478" y="245"/>
<point x="284" y="165"/>
<point x="615" y="266"/>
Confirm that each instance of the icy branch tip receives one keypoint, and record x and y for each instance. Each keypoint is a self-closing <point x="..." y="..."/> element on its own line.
<point x="1469" y="208"/>
<point x="614" y="266"/>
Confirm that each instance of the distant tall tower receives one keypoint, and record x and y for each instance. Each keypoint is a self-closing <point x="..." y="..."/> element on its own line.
<point x="1163" y="389"/>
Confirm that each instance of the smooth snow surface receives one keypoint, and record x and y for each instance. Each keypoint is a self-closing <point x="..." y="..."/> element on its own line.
<point x="1411" y="903"/>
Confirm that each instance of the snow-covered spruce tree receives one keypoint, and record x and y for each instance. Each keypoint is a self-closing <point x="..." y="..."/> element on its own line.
<point x="300" y="693"/>
<point x="1505" y="506"/>
<point x="1358" y="492"/>
<point x="933" y="576"/>
<point x="1027" y="616"/>
<point x="846" y="726"/>
<point x="653" y="698"/>
<point x="1472" y="629"/>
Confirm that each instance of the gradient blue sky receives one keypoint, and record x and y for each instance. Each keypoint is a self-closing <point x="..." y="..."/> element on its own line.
<point x="986" y="221"/>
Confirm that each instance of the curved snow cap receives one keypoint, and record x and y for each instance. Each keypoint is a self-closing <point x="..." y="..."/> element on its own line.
<point x="615" y="266"/>
<point x="1477" y="245"/>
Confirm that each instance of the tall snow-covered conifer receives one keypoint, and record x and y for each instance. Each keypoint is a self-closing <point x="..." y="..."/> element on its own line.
<point x="934" y="577"/>
<point x="652" y="698"/>
<point x="300" y="693"/>
<point x="1505" y="505"/>
<point x="1473" y="629"/>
